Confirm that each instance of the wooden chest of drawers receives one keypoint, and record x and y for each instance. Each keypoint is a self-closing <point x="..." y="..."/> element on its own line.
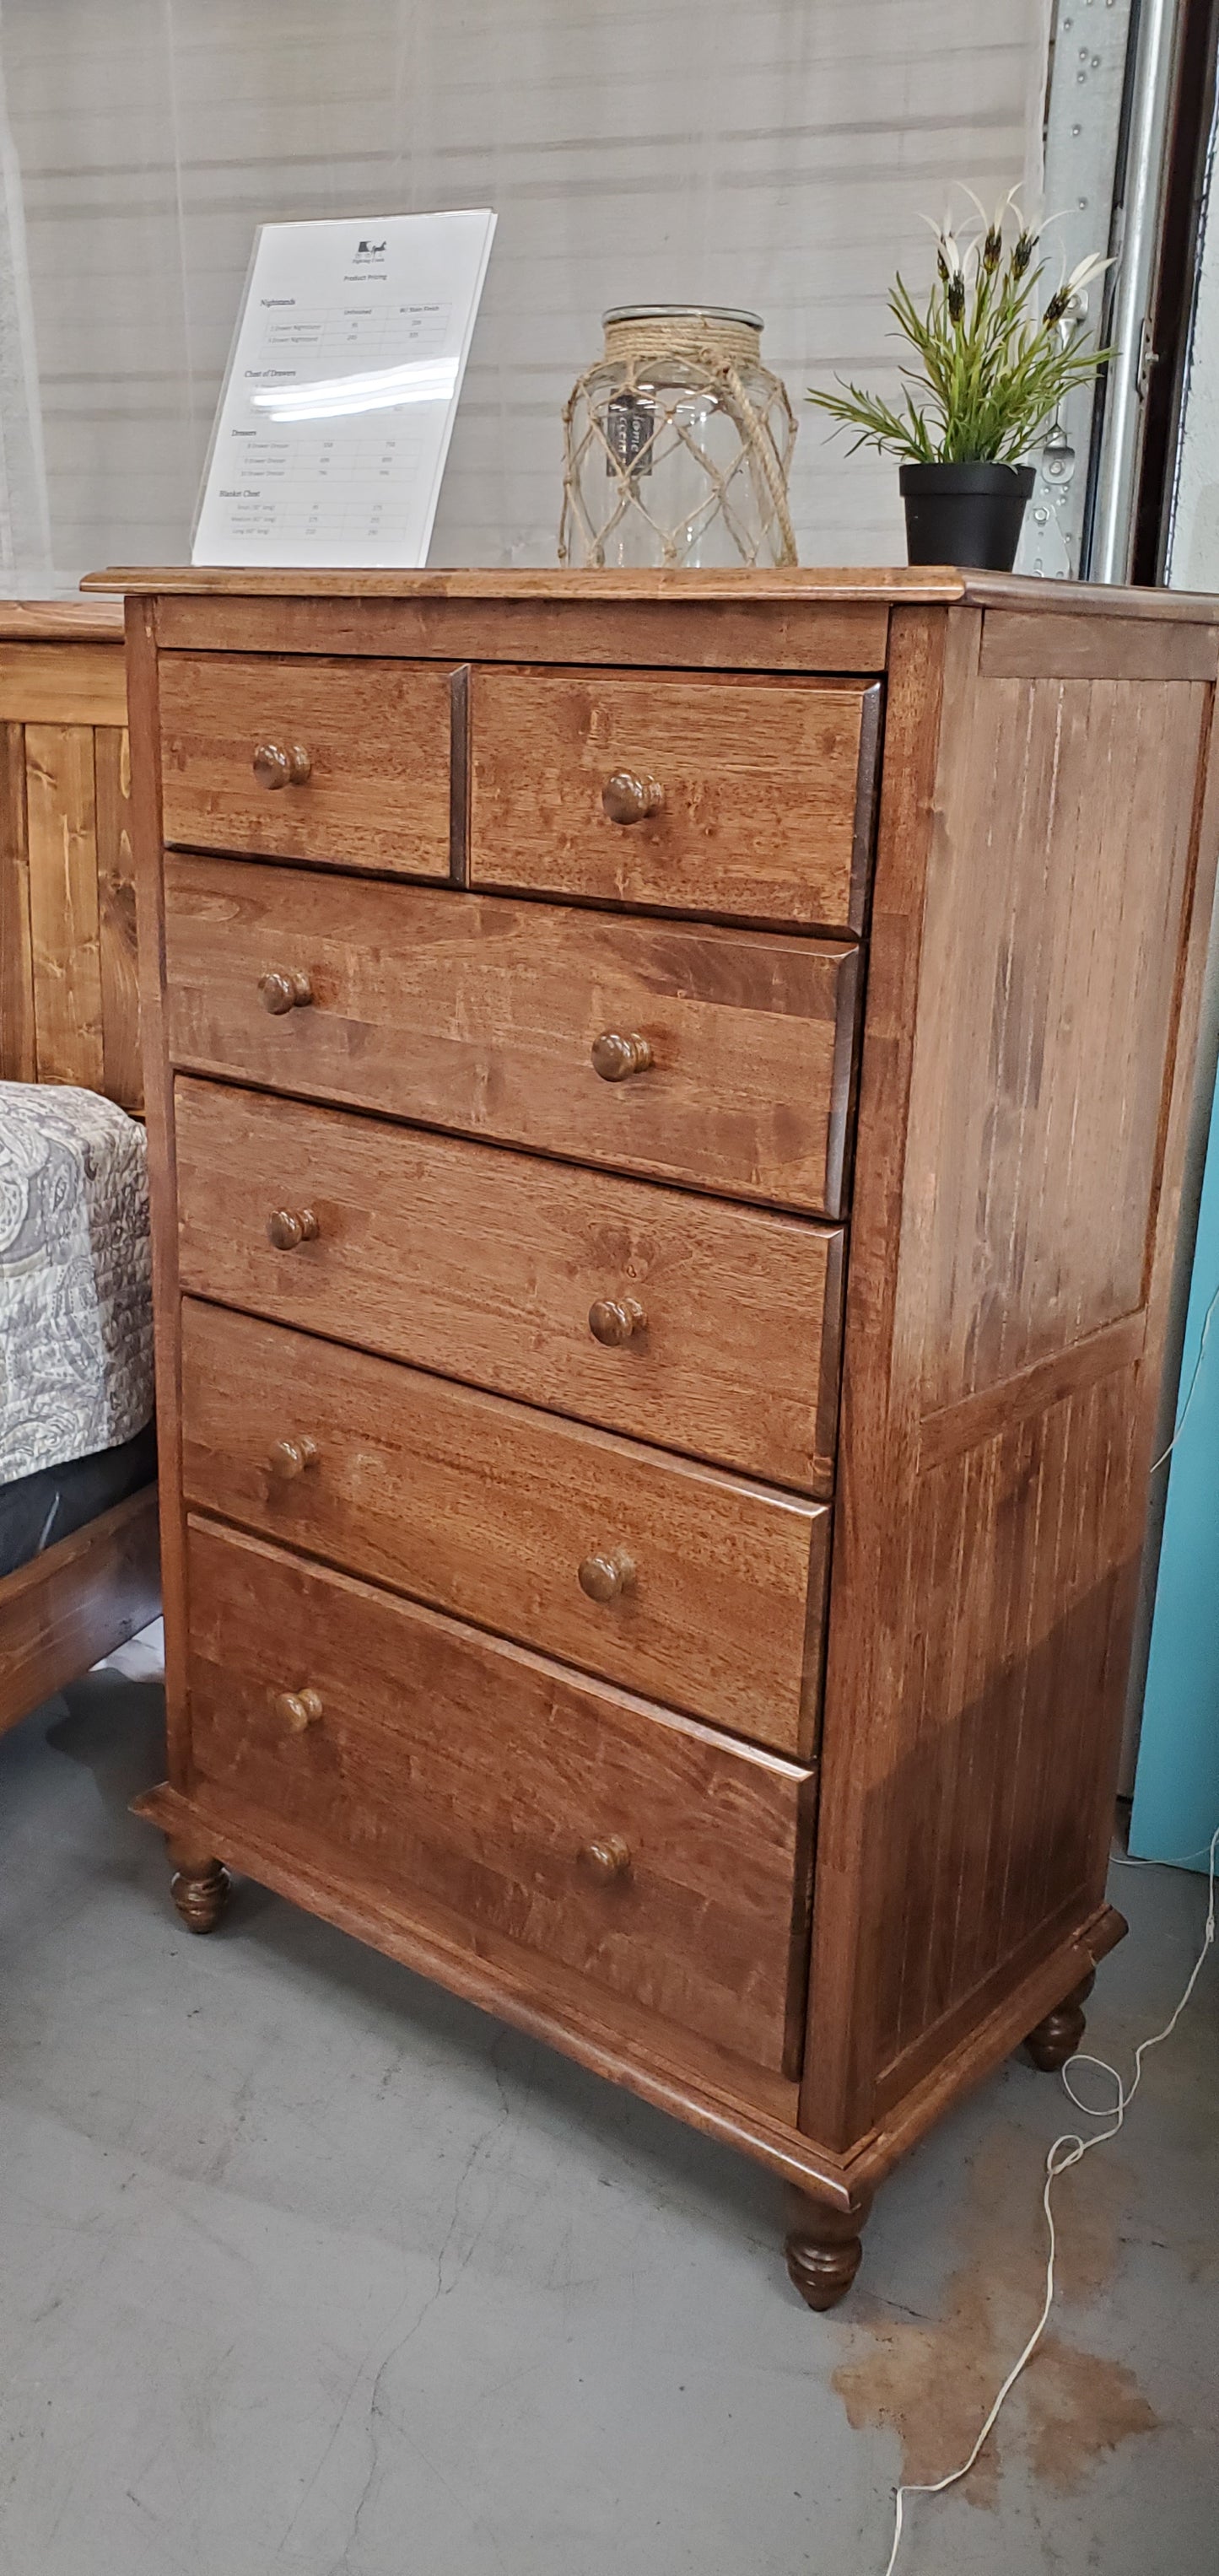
<point x="668" y="1099"/>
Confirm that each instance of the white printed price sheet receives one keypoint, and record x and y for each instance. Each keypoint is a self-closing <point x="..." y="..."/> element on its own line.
<point x="338" y="407"/>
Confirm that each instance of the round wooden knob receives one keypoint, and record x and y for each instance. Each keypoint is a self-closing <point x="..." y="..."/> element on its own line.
<point x="630" y="799"/>
<point x="613" y="1320"/>
<point x="298" y="1709"/>
<point x="606" y="1577"/>
<point x="608" y="1858"/>
<point x="287" y="1229"/>
<point x="615" y="1056"/>
<point x="278" y="764"/>
<point x="291" y="1457"/>
<point x="279" y="992"/>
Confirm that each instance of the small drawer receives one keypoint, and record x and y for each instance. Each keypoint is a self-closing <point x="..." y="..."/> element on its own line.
<point x="654" y="1857"/>
<point x="342" y="763"/>
<point x="680" y="1320"/>
<point x="751" y="797"/>
<point x="721" y="1057"/>
<point x="680" y="1582"/>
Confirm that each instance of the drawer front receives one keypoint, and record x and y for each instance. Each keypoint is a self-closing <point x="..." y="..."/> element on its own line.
<point x="369" y="789"/>
<point x="725" y="1054"/>
<point x="684" y="1584"/>
<point x="684" y="1322"/>
<point x="652" y="1856"/>
<point x="756" y="796"/>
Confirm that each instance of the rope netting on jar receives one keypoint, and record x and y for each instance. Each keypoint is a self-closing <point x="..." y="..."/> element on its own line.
<point x="651" y="401"/>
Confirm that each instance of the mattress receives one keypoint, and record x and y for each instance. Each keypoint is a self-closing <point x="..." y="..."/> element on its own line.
<point x="75" y="1301"/>
<point x="38" y="1510"/>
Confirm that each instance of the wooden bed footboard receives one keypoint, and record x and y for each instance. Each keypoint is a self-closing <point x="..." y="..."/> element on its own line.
<point x="68" y="1001"/>
<point x="69" y="1013"/>
<point x="67" y="1608"/>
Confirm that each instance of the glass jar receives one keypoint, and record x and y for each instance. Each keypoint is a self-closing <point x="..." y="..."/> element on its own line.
<point x="677" y="444"/>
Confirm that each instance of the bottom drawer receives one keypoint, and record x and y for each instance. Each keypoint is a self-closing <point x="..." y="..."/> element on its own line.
<point x="637" y="1847"/>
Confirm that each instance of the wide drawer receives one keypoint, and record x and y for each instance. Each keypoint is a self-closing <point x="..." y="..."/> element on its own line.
<point x="721" y="1057"/>
<point x="697" y="795"/>
<point x="658" y="1859"/>
<point x="681" y="1320"/>
<point x="297" y="757"/>
<point x="683" y="1583"/>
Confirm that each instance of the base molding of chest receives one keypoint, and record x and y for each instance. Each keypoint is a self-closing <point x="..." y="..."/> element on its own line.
<point x="488" y="1974"/>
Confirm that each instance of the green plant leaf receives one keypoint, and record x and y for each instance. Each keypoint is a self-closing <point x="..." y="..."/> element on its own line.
<point x="981" y="382"/>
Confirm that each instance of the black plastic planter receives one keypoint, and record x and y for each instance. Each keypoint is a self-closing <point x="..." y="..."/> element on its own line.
<point x="965" y="514"/>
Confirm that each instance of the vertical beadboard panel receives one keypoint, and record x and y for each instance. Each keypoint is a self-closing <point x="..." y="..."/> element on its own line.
<point x="116" y="919"/>
<point x="62" y="822"/>
<point x="1014" y="1700"/>
<point x="779" y="157"/>
<point x="18" y="1055"/>
<point x="1051" y="946"/>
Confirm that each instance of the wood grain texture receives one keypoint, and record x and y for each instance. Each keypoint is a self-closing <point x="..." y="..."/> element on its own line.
<point x="483" y="1265"/>
<point x="144" y="716"/>
<point x="989" y="2027"/>
<point x="486" y="1509"/>
<point x="69" y="683"/>
<point x="377" y="739"/>
<point x="479" y="1014"/>
<point x="1019" y="645"/>
<point x="1044" y="866"/>
<point x="760" y="786"/>
<point x="741" y="634"/>
<point x="459" y="775"/>
<point x="59" y="621"/>
<point x="1035" y="933"/>
<point x="67" y="1001"/>
<point x="1052" y="946"/>
<point x="61" y="817"/>
<point x="931" y="665"/>
<point x="120" y="997"/>
<point x="811" y="585"/>
<point x="460" y="1766"/>
<point x="18" y="1024"/>
<point x="67" y="930"/>
<point x="1022" y="1574"/>
<point x="67" y="1608"/>
<point x="978" y="1418"/>
<point x="818" y="588"/>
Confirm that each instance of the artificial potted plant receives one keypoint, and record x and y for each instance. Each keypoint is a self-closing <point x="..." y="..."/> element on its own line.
<point x="990" y="368"/>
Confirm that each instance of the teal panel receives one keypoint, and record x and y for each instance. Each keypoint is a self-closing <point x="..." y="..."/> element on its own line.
<point x="1176" y="1789"/>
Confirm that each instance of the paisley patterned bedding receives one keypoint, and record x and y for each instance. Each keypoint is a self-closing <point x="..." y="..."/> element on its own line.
<point x="75" y="1304"/>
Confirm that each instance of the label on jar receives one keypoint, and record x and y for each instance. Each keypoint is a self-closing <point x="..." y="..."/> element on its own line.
<point x="629" y="425"/>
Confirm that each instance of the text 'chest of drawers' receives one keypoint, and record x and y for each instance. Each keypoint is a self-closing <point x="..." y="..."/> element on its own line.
<point x="667" y="1100"/>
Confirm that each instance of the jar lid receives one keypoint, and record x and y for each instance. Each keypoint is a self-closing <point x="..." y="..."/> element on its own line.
<point x="680" y="313"/>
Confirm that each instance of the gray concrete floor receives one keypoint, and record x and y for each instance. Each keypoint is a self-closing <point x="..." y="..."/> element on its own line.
<point x="309" y="2269"/>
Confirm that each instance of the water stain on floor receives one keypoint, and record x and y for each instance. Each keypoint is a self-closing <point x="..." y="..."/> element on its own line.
<point x="934" y="2381"/>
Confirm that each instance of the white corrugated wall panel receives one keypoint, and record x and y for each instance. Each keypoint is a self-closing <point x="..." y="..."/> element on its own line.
<point x="777" y="156"/>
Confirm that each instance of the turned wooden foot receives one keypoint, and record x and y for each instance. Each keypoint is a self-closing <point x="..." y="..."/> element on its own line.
<point x="200" y="1891"/>
<point x="1058" y="2036"/>
<point x="823" y="2250"/>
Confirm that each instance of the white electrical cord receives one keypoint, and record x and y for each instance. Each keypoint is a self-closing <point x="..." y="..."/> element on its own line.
<point x="1068" y="2149"/>
<point x="1197" y="1368"/>
<point x="1065" y="2152"/>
